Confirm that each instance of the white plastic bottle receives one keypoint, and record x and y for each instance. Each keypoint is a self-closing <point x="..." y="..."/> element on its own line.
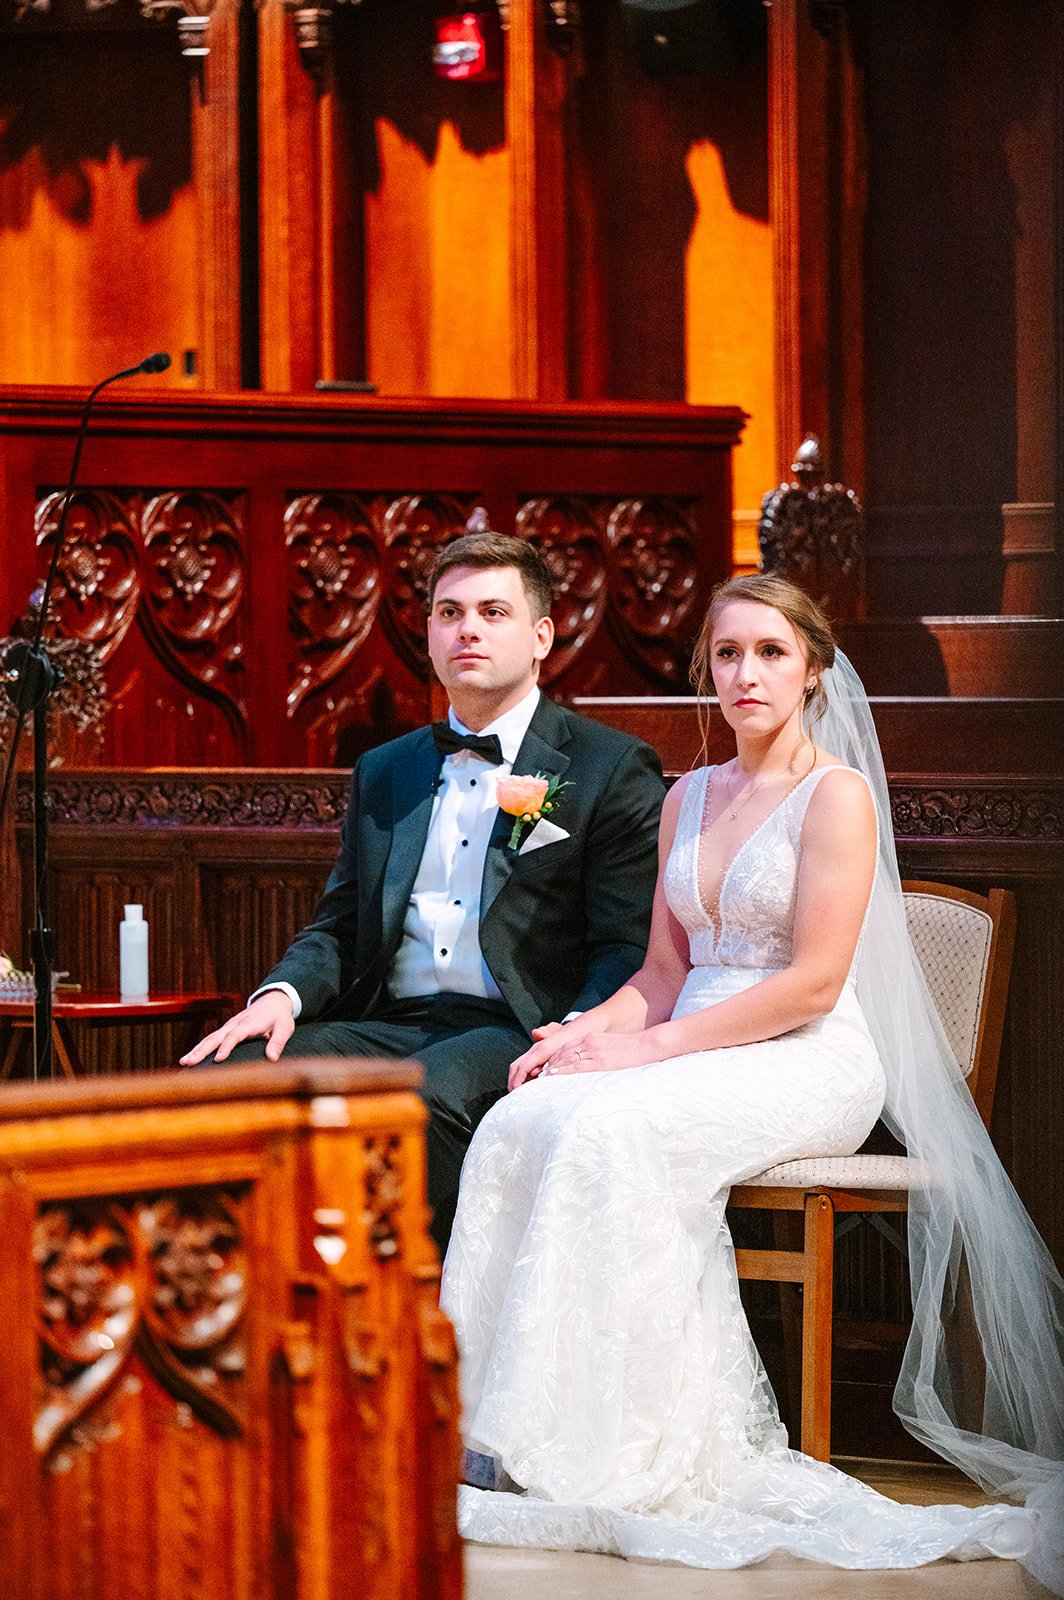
<point x="133" y="953"/>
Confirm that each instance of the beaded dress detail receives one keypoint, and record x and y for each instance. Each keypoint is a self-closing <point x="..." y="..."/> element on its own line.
<point x="606" y="1358"/>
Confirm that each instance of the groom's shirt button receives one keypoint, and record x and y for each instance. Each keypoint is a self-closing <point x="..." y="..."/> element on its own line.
<point x="465" y="843"/>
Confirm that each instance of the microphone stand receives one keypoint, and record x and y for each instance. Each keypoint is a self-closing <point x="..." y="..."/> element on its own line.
<point x="30" y="682"/>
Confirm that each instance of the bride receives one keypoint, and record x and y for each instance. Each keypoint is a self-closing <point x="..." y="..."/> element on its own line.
<point x="607" y="1366"/>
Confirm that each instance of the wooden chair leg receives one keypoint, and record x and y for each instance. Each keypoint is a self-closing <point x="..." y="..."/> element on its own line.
<point x="816" y="1326"/>
<point x="787" y="1234"/>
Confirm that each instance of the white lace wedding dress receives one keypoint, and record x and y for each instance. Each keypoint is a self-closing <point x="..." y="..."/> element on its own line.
<point x="606" y="1359"/>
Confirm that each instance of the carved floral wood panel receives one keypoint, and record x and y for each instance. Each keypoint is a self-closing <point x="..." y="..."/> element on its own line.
<point x="632" y="562"/>
<point x="356" y="576"/>
<point x="98" y="580"/>
<point x="164" y="1275"/>
<point x="568" y="537"/>
<point x="173" y="561"/>
<point x="253" y="568"/>
<point x="334" y="586"/>
<point x="658" y="601"/>
<point x="226" y="1375"/>
<point x="195" y="583"/>
<point x="414" y="528"/>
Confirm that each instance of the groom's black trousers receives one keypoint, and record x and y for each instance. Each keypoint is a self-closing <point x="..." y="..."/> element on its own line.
<point x="465" y="1045"/>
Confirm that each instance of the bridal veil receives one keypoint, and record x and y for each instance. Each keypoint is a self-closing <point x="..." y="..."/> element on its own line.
<point x="982" y="1377"/>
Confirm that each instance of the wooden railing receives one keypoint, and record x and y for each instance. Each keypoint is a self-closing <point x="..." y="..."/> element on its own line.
<point x="224" y="1370"/>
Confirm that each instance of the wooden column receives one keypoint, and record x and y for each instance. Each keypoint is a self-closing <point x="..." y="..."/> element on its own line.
<point x="310" y="239"/>
<point x="817" y="202"/>
<point x="216" y="161"/>
<point x="289" y="239"/>
<point x="537" y="84"/>
<point x="1033" y="524"/>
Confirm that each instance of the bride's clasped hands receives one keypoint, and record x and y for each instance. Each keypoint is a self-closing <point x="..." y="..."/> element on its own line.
<point x="570" y="1047"/>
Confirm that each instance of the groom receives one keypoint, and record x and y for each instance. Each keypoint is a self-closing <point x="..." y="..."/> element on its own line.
<point x="449" y="929"/>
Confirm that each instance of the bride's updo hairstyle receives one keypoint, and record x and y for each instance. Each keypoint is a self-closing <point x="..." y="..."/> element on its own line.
<point x="804" y="615"/>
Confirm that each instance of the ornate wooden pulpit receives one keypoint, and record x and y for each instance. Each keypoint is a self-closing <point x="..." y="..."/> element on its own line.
<point x="224" y="1373"/>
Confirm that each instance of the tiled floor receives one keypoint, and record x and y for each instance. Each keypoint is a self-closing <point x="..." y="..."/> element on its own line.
<point x="493" y="1573"/>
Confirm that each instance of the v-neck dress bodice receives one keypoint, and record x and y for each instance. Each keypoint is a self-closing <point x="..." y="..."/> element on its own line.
<point x="751" y="923"/>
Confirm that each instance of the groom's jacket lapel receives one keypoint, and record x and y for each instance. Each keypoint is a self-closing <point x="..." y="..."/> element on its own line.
<point x="413" y="787"/>
<point x="541" y="751"/>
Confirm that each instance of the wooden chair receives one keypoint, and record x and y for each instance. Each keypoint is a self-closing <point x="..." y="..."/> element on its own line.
<point x="964" y="944"/>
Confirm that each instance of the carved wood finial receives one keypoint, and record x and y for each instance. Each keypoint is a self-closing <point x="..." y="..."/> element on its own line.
<point x="313" y="24"/>
<point x="561" y="18"/>
<point x="193" y="22"/>
<point x="810" y="531"/>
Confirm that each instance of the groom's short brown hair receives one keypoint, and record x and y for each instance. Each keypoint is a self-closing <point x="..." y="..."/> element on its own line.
<point x="486" y="548"/>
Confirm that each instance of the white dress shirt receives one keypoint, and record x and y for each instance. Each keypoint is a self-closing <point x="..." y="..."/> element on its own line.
<point x="440" y="948"/>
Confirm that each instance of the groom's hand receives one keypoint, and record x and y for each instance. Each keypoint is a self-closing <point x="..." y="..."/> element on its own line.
<point x="269" y="1017"/>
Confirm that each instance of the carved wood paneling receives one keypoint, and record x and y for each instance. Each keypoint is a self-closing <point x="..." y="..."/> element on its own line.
<point x="415" y="527"/>
<point x="660" y="594"/>
<point x="98" y="580"/>
<point x="194" y="585"/>
<point x="278" y="574"/>
<point x="334" y="586"/>
<point x="268" y="906"/>
<point x="212" y="799"/>
<point x="163" y="1274"/>
<point x="568" y="534"/>
<point x="630" y="562"/>
<point x="200" y="1398"/>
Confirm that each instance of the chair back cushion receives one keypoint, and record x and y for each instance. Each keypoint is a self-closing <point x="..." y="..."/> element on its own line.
<point x="952" y="944"/>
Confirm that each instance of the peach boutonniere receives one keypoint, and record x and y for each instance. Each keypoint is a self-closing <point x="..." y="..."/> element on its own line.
<point x="527" y="798"/>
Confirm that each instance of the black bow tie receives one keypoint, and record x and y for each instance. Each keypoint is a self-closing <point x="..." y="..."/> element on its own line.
<point x="448" y="743"/>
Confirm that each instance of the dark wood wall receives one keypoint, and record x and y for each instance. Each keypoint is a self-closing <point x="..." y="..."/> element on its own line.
<point x="964" y="327"/>
<point x="853" y="225"/>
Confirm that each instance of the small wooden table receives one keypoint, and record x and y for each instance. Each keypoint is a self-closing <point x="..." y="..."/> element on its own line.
<point x="101" y="1009"/>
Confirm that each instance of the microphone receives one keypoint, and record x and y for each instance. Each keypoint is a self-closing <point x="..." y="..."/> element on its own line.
<point x="156" y="363"/>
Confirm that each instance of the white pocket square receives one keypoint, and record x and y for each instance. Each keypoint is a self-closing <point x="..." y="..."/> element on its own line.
<point x="545" y="832"/>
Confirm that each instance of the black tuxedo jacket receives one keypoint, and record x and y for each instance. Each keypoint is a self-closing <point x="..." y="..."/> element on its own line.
<point x="561" y="927"/>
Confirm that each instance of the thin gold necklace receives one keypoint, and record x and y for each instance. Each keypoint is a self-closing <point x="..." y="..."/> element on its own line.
<point x="734" y="810"/>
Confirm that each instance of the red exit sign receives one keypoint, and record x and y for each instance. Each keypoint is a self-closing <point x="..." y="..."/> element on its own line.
<point x="468" y="47"/>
